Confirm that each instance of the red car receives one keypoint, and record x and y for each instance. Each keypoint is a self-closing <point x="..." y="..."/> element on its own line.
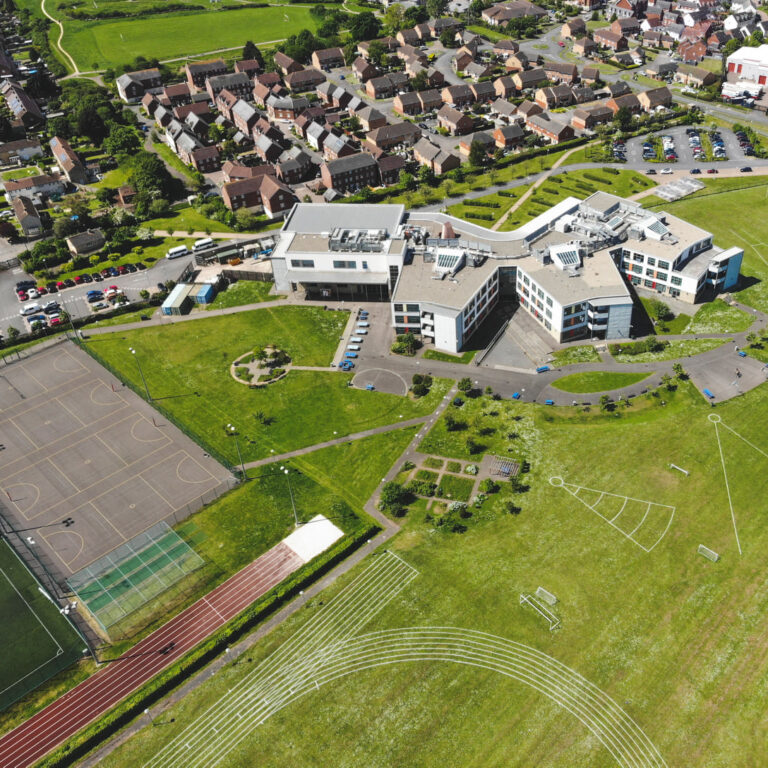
<point x="60" y="285"/>
<point x="122" y="270"/>
<point x="56" y="321"/>
<point x="22" y="296"/>
<point x="42" y="290"/>
<point x="105" y="273"/>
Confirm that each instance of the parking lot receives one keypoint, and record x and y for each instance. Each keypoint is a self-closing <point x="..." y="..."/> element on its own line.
<point x="78" y="447"/>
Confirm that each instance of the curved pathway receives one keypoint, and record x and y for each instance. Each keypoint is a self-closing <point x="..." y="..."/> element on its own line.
<point x="75" y="68"/>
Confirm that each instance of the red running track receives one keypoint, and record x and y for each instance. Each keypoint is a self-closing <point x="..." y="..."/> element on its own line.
<point x="33" y="739"/>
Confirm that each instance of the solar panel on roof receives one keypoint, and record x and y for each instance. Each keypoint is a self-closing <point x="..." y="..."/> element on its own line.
<point x="658" y="228"/>
<point x="447" y="260"/>
<point x="568" y="258"/>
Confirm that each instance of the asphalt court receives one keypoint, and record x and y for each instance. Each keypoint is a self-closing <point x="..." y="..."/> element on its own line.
<point x="75" y="443"/>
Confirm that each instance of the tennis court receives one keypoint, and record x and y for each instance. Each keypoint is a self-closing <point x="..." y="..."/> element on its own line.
<point x="139" y="570"/>
<point x="39" y="642"/>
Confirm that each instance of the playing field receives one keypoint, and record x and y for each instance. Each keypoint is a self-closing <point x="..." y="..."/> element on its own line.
<point x="39" y="641"/>
<point x="675" y="640"/>
<point x="103" y="44"/>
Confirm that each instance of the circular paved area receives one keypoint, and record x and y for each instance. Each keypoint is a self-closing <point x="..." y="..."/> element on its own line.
<point x="382" y="379"/>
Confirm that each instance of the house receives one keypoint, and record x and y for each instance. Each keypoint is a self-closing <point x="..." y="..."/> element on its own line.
<point x="199" y="71"/>
<point x="266" y="148"/>
<point x="434" y="77"/>
<point x="529" y="108"/>
<point x="531" y="78"/>
<point x="286" y="64"/>
<point x="348" y="174"/>
<point x="584" y="47"/>
<point x="29" y="219"/>
<point x="517" y="62"/>
<point x="270" y="79"/>
<point x="695" y="77"/>
<point x="465" y="37"/>
<point x="177" y="94"/>
<point x="607" y="38"/>
<point x="197" y="125"/>
<point x="499" y="15"/>
<point x="692" y="52"/>
<point x="370" y="118"/>
<point x="655" y="98"/>
<point x="590" y="75"/>
<point x="244" y="116"/>
<point x="316" y="135"/>
<point x="385" y="86"/>
<point x="573" y="28"/>
<point x="237" y="172"/>
<point x="407" y="52"/>
<point x="149" y="104"/>
<point x="509" y="136"/>
<point x="430" y="100"/>
<point x="328" y="58"/>
<point x="23" y="107"/>
<point x="504" y="48"/>
<point x="623" y="9"/>
<point x="132" y="86"/>
<point x="163" y="116"/>
<point x="619" y="88"/>
<point x="506" y="111"/>
<point x="484" y="139"/>
<point x="86" y="242"/>
<point x="205" y="159"/>
<point x="628" y="27"/>
<point x="19" y="152"/>
<point x="504" y="87"/>
<point x="237" y="83"/>
<point x="306" y="80"/>
<point x="454" y="121"/>
<point x="586" y="118"/>
<point x="443" y="24"/>
<point x="483" y="92"/>
<point x="424" y="32"/>
<point x="554" y="97"/>
<point x="249" y="67"/>
<point x="560" y="71"/>
<point x="717" y="40"/>
<point x="462" y="59"/>
<point x="263" y="191"/>
<point x="550" y="129"/>
<point x="458" y="96"/>
<point x="477" y="70"/>
<point x="286" y="108"/>
<point x="337" y="145"/>
<point x="407" y="104"/>
<point x="439" y="160"/>
<point x="43" y="185"/>
<point x="390" y="136"/>
<point x="390" y="167"/>
<point x="582" y="94"/>
<point x="276" y="198"/>
<point x="658" y="39"/>
<point x="660" y="69"/>
<point x="364" y="70"/>
<point x="260" y="94"/>
<point x="68" y="161"/>
<point x="628" y="100"/>
<point x="408" y="37"/>
<point x="295" y="167"/>
<point x="225" y="103"/>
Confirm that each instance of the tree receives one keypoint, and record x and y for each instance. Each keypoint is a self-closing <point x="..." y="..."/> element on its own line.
<point x="730" y="47"/>
<point x="489" y="486"/>
<point x="679" y="371"/>
<point x="105" y="195"/>
<point x="420" y="81"/>
<point x="250" y="51"/>
<point x="158" y="207"/>
<point x="660" y="310"/>
<point x="13" y="332"/>
<point x="476" y="154"/>
<point x="393" y="497"/>
<point x="63" y="227"/>
<point x="756" y="38"/>
<point x="394" y="19"/>
<point x="437" y="8"/>
<point x="605" y="403"/>
<point x="364" y="26"/>
<point x="623" y="119"/>
<point x="473" y="446"/>
<point x="414" y="15"/>
<point x="464" y="384"/>
<point x="377" y="53"/>
<point x="426" y="175"/>
<point x="407" y="180"/>
<point x="122" y="140"/>
<point x="448" y="38"/>
<point x="595" y="16"/>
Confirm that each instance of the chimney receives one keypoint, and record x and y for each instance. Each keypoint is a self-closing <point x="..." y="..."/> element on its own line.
<point x="448" y="233"/>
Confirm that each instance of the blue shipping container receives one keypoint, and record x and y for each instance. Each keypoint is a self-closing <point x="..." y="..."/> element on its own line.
<point x="205" y="294"/>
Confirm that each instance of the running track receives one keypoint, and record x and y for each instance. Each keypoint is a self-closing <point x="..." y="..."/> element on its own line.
<point x="53" y="725"/>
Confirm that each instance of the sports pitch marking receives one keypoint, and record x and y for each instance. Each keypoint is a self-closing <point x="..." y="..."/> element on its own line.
<point x="575" y="490"/>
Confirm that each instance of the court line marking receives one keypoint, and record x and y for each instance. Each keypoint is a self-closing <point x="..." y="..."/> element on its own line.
<point x="69" y="410"/>
<point x="65" y="353"/>
<point x="21" y="511"/>
<point x="141" y="439"/>
<point x="194" y="461"/>
<point x="157" y="491"/>
<point x="103" y="385"/>
<point x="67" y="563"/>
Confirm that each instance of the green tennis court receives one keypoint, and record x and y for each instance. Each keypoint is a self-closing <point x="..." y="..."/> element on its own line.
<point x="120" y="582"/>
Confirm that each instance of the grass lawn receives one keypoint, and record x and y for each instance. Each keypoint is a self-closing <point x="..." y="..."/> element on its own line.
<point x="678" y="348"/>
<point x="305" y="407"/>
<point x="597" y="381"/>
<point x="115" y="179"/>
<point x="455" y="488"/>
<point x="21" y="173"/>
<point x="244" y="292"/>
<point x="488" y="34"/>
<point x="578" y="184"/>
<point x="676" y="325"/>
<point x="672" y="638"/>
<point x="435" y="354"/>
<point x="474" y="213"/>
<point x="719" y="317"/>
<point x="103" y="44"/>
<point x="126" y="317"/>
<point x="726" y="208"/>
<point x="173" y="161"/>
<point x="185" y="218"/>
<point x="584" y="353"/>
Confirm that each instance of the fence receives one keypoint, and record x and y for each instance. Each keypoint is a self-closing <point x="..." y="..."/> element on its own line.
<point x="10" y="263"/>
<point x="238" y="274"/>
<point x="14" y="355"/>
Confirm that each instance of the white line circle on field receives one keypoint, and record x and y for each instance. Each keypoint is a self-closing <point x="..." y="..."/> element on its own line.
<point x="715" y="418"/>
<point x="557" y="481"/>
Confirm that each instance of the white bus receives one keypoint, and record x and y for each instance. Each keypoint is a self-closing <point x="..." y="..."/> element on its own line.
<point x="202" y="245"/>
<point x="178" y="251"/>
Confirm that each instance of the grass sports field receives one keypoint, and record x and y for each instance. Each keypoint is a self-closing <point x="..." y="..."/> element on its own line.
<point x="103" y="44"/>
<point x="39" y="642"/>
<point x="187" y="358"/>
<point x="673" y="638"/>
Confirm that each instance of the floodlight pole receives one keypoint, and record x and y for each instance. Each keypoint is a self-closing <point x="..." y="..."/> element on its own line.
<point x="66" y="523"/>
<point x="141" y="373"/>
<point x="232" y="431"/>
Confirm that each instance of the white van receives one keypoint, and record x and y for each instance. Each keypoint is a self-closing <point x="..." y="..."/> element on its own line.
<point x="29" y="309"/>
<point x="177" y="252"/>
<point x="202" y="245"/>
<point x="362" y="324"/>
<point x="353" y="347"/>
<point x="361" y="332"/>
<point x="356" y="340"/>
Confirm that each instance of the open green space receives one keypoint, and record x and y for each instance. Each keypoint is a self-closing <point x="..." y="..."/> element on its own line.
<point x="578" y="184"/>
<point x="127" y="317"/>
<point x="435" y="354"/>
<point x="187" y="369"/>
<point x="455" y="488"/>
<point x="597" y="381"/>
<point x="174" y="161"/>
<point x="677" y="348"/>
<point x="719" y="317"/>
<point x="21" y="173"/>
<point x="185" y="218"/>
<point x="583" y="353"/>
<point x="37" y="641"/>
<point x="114" y="179"/>
<point x="103" y="44"/>
<point x="676" y="325"/>
<point x="244" y="292"/>
<point x="672" y="638"/>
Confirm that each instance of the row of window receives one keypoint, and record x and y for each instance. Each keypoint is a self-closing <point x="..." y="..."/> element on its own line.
<point x="651" y="261"/>
<point x="406" y="307"/>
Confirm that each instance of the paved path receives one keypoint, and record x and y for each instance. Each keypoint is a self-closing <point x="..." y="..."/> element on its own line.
<point x="75" y="68"/>
<point x="89" y="700"/>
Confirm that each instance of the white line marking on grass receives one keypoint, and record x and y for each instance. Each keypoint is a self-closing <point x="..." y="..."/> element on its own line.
<point x="725" y="477"/>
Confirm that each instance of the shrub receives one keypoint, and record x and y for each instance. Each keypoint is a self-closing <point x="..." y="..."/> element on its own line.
<point x="489" y="486"/>
<point x="471" y="469"/>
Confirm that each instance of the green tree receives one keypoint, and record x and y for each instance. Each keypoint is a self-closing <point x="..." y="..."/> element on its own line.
<point x="477" y="154"/>
<point x="377" y="53"/>
<point x="250" y="51"/>
<point x="448" y="39"/>
<point x="122" y="140"/>
<point x="407" y="180"/>
<point x="436" y="8"/>
<point x="426" y="175"/>
<point x="364" y="26"/>
<point x="392" y="498"/>
<point x="605" y="403"/>
<point x="464" y="384"/>
<point x="394" y="19"/>
<point x="13" y="332"/>
<point x="623" y="119"/>
<point x="105" y="195"/>
<point x="679" y="371"/>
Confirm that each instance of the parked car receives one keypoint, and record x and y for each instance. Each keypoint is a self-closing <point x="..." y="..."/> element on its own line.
<point x="745" y="169"/>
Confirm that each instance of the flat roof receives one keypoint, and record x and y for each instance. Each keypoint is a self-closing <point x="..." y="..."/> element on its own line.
<point x="312" y="218"/>
<point x="306" y="243"/>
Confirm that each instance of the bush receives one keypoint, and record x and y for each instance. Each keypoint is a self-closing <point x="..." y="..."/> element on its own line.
<point x="489" y="486"/>
<point x="471" y="469"/>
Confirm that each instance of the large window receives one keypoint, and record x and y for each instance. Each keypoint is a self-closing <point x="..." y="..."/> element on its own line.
<point x="676" y="280"/>
<point x="652" y="261"/>
<point x="663" y="264"/>
<point x="411" y="307"/>
<point x="303" y="263"/>
<point x="344" y="264"/>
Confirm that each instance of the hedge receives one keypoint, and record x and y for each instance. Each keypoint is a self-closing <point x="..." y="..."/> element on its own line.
<point x="180" y="671"/>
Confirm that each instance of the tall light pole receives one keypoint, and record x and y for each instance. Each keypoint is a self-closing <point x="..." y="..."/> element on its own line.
<point x="287" y="473"/>
<point x="232" y="431"/>
<point x="141" y="373"/>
